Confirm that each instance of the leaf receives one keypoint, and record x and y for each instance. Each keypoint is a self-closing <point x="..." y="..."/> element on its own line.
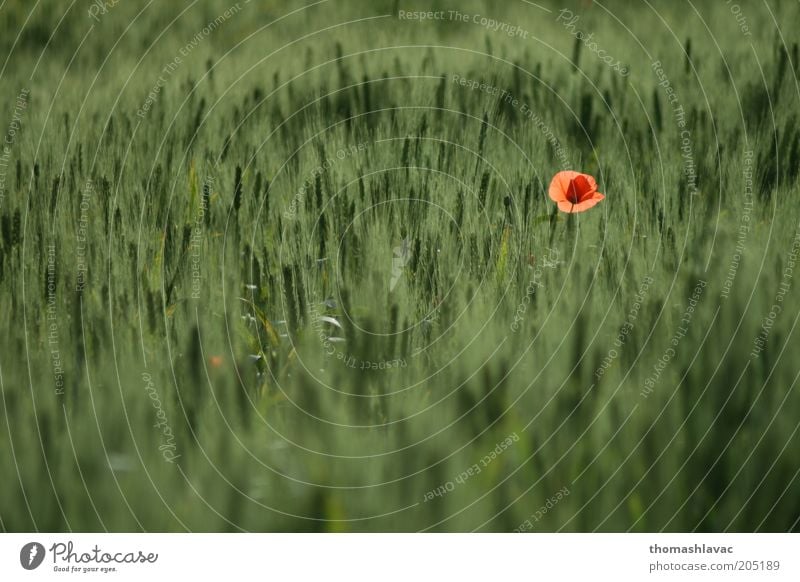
<point x="330" y="320"/>
<point x="269" y="329"/>
<point x="194" y="204"/>
<point x="502" y="259"/>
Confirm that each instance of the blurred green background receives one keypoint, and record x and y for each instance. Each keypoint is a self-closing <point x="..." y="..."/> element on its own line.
<point x="271" y="267"/>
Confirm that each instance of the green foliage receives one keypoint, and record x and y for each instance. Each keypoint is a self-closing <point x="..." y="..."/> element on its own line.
<point x="270" y="189"/>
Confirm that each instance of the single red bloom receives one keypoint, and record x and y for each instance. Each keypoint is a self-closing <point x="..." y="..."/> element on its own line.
<point x="574" y="192"/>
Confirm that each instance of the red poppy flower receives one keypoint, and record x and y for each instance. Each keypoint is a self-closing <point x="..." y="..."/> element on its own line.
<point x="574" y="192"/>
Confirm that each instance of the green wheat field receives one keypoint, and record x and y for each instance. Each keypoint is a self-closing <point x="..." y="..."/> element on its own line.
<point x="276" y="266"/>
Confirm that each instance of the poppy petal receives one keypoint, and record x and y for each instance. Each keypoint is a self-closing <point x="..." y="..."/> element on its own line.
<point x="560" y="185"/>
<point x="574" y="191"/>
<point x="565" y="206"/>
<point x="581" y="188"/>
<point x="589" y="187"/>
<point x="584" y="204"/>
